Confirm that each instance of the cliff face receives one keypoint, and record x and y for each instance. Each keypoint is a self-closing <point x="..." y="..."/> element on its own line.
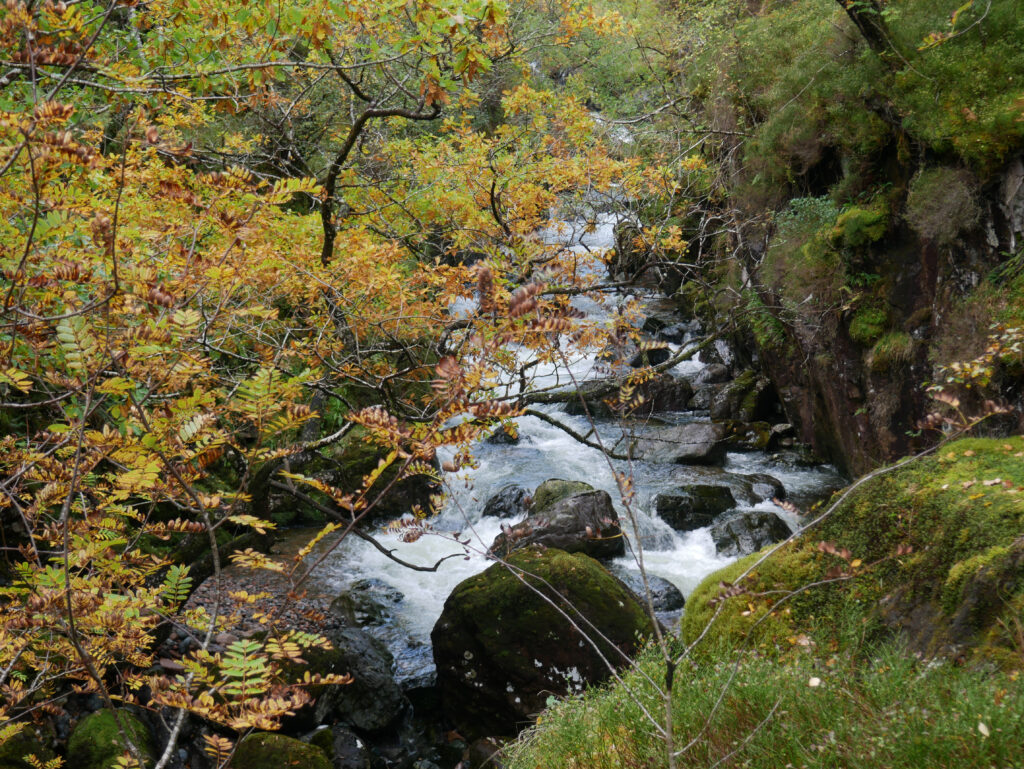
<point x="854" y="383"/>
<point x="873" y="205"/>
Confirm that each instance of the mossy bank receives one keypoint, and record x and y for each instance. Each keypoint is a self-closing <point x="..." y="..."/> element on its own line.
<point x="806" y="657"/>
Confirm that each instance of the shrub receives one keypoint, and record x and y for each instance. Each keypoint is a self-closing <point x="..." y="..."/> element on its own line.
<point x="868" y="325"/>
<point x="942" y="204"/>
<point x="893" y="349"/>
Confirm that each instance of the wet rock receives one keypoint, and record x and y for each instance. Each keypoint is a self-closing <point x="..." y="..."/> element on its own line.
<point x="693" y="443"/>
<point x="511" y="501"/>
<point x="748" y="532"/>
<point x="265" y="750"/>
<point x="713" y="373"/>
<point x="412" y="743"/>
<point x="765" y="487"/>
<point x="749" y="398"/>
<point x="585" y="522"/>
<point x="748" y="436"/>
<point x="663" y="392"/>
<point x="795" y="459"/>
<point x="96" y="741"/>
<point x="664" y="595"/>
<point x="501" y="649"/>
<point x="651" y="357"/>
<point x="367" y="602"/>
<point x="343" y="747"/>
<point x="373" y="699"/>
<point x="703" y="396"/>
<point x="677" y="333"/>
<point x="502" y="436"/>
<point x="694" y="505"/>
<point x="555" y="489"/>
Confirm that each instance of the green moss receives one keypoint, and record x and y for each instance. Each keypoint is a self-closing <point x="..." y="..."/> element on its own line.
<point x="857" y="227"/>
<point x="867" y="325"/>
<point x="754" y="622"/>
<point x="768" y="331"/>
<point x="964" y="570"/>
<point x="96" y="741"/>
<point x="264" y="750"/>
<point x="960" y="513"/>
<point x="893" y="349"/>
<point x="30" y="741"/>
<point x="499" y="593"/>
<point x="555" y="490"/>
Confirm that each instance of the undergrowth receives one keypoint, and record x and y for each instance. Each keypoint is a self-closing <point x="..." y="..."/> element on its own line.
<point x="855" y="707"/>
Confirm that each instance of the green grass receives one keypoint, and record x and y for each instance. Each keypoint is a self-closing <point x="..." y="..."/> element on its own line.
<point x="894" y="349"/>
<point x="876" y="707"/>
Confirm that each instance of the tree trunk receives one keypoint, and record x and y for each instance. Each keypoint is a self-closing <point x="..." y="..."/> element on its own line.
<point x="867" y="17"/>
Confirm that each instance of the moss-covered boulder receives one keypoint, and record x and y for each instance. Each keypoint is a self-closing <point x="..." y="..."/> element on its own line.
<point x="556" y="489"/>
<point x="933" y="552"/>
<point x="581" y="523"/>
<point x="96" y="741"/>
<point x="30" y="741"/>
<point x="502" y="649"/>
<point x="748" y="398"/>
<point x="265" y="750"/>
<point x="354" y="457"/>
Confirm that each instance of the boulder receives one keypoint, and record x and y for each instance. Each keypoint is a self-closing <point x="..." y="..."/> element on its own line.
<point x="511" y="501"/>
<point x="748" y="532"/>
<point x="747" y="489"/>
<point x="694" y="505"/>
<point x="664" y="595"/>
<point x="502" y="648"/>
<point x="343" y="747"/>
<point x="748" y="436"/>
<point x="266" y="750"/>
<point x="96" y="741"/>
<point x="367" y="602"/>
<point x="663" y="392"/>
<point x="503" y="435"/>
<point x="703" y="395"/>
<point x="749" y="398"/>
<point x="585" y="522"/>
<point x="764" y="487"/>
<point x="554" y="489"/>
<point x="651" y="357"/>
<point x="355" y="456"/>
<point x="713" y="373"/>
<point x="692" y="443"/>
<point x="373" y="699"/>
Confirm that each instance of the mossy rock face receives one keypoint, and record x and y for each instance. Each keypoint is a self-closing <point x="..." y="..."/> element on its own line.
<point x="555" y="490"/>
<point x="29" y="741"/>
<point x="264" y="750"/>
<point x="960" y="513"/>
<point x="501" y="649"/>
<point x="96" y="741"/>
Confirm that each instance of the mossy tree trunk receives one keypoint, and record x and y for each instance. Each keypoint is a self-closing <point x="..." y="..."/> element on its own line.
<point x="867" y="17"/>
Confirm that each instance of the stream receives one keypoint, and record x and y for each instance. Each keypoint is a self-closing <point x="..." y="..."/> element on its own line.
<point x="542" y="452"/>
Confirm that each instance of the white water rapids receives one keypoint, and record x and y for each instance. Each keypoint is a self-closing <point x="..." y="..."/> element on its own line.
<point x="545" y="452"/>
